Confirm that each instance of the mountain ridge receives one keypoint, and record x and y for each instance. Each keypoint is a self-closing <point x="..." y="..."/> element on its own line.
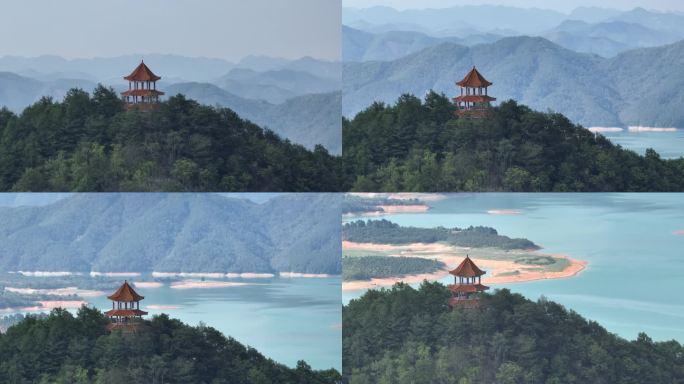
<point x="536" y="72"/>
<point x="173" y="233"/>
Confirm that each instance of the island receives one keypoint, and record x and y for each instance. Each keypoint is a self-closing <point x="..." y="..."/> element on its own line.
<point x="371" y="243"/>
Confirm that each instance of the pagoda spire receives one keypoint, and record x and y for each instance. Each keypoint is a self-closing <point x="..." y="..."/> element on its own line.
<point x="142" y="90"/>
<point x="125" y="313"/>
<point x="473" y="102"/>
<point x="467" y="285"/>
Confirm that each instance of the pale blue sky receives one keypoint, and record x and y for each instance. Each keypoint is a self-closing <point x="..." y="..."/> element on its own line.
<point x="227" y="29"/>
<point x="560" y="5"/>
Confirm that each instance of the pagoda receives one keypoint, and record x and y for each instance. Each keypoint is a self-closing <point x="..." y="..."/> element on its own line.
<point x="125" y="313"/>
<point x="467" y="284"/>
<point x="142" y="88"/>
<point x="473" y="101"/>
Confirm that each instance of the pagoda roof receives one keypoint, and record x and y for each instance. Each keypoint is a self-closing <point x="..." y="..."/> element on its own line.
<point x="468" y="288"/>
<point x="474" y="79"/>
<point x="142" y="73"/>
<point x="125" y="293"/>
<point x="125" y="312"/>
<point x="475" y="98"/>
<point x="467" y="268"/>
<point x="142" y="92"/>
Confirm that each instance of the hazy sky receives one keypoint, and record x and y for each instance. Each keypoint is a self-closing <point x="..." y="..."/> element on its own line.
<point x="560" y="5"/>
<point x="227" y="29"/>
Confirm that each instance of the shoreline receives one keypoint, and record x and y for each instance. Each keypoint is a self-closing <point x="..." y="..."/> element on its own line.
<point x="163" y="275"/>
<point x="390" y="210"/>
<point x="45" y="306"/>
<point x="495" y="268"/>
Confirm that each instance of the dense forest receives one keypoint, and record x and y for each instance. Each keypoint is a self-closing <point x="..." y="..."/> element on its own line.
<point x="89" y="143"/>
<point x="420" y="146"/>
<point x="387" y="232"/>
<point x="62" y="348"/>
<point x="368" y="267"/>
<point x="411" y="336"/>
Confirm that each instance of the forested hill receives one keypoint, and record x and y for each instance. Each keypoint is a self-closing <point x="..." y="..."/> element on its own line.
<point x="387" y="232"/>
<point x="421" y="146"/>
<point x="89" y="143"/>
<point x="406" y="335"/>
<point x="62" y="348"/>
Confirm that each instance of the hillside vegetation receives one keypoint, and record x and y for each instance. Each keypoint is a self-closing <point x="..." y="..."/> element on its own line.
<point x="88" y="143"/>
<point x="420" y="146"/>
<point x="411" y="336"/>
<point x="62" y="348"/>
<point x="387" y="232"/>
<point x="368" y="267"/>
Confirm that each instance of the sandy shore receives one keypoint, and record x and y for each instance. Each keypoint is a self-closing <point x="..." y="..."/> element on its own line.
<point x="605" y="129"/>
<point x="400" y="196"/>
<point x="67" y="304"/>
<point x="46" y="306"/>
<point x="498" y="271"/>
<point x="290" y="275"/>
<point x="403" y="249"/>
<point x="161" y="307"/>
<point x="504" y="212"/>
<point x="390" y="209"/>
<point x="213" y="275"/>
<point x="195" y="284"/>
<point x="68" y="291"/>
<point x="636" y="128"/>
<point x="148" y="284"/>
<point x="115" y="274"/>
<point x="412" y="208"/>
<point x="47" y="274"/>
<point x="417" y="196"/>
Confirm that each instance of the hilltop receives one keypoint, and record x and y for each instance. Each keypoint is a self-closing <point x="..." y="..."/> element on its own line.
<point x="89" y="143"/>
<point x="418" y="146"/>
<point x="407" y="335"/>
<point x="62" y="348"/>
<point x="294" y="98"/>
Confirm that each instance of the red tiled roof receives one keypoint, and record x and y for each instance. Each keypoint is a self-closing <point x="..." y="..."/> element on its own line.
<point x="142" y="92"/>
<point x="468" y="288"/>
<point x="142" y="73"/>
<point x="125" y="293"/>
<point x="467" y="268"/>
<point x="125" y="312"/>
<point x="475" y="98"/>
<point x="474" y="79"/>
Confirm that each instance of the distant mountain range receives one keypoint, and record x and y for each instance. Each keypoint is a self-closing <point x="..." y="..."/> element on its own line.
<point x="604" y="32"/>
<point x="610" y="38"/>
<point x="174" y="233"/>
<point x="444" y="21"/>
<point x="294" y="98"/>
<point x="637" y="87"/>
<point x="308" y="120"/>
<point x="358" y="45"/>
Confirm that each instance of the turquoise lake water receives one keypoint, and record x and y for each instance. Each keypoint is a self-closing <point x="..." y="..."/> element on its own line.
<point x="634" y="281"/>
<point x="285" y="319"/>
<point x="670" y="145"/>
